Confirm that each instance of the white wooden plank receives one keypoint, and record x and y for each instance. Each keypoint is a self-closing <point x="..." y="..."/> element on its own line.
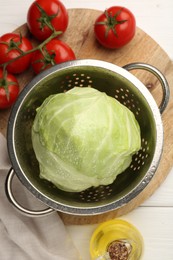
<point x="163" y="196"/>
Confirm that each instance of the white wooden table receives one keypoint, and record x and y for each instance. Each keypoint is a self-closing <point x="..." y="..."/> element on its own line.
<point x="154" y="218"/>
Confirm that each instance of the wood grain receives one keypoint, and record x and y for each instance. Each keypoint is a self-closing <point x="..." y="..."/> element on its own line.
<point x="142" y="48"/>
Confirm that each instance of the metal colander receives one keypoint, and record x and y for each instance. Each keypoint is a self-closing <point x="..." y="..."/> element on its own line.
<point x="116" y="82"/>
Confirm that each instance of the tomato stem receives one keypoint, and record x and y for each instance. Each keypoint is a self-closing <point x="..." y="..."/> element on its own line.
<point x="111" y="22"/>
<point x="45" y="19"/>
<point x="38" y="47"/>
<point x="15" y="45"/>
<point x="4" y="83"/>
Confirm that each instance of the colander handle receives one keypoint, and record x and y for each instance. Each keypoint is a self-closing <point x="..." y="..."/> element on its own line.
<point x="159" y="76"/>
<point x="12" y="200"/>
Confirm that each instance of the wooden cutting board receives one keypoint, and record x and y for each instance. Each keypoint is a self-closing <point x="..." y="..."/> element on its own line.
<point x="142" y="48"/>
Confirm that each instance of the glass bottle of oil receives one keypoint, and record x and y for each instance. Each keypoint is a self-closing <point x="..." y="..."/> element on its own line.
<point x="116" y="240"/>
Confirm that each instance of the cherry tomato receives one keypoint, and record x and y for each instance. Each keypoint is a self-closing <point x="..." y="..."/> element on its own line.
<point x="54" y="52"/>
<point x="45" y="16"/>
<point x="9" y="89"/>
<point x="115" y="27"/>
<point x="12" y="45"/>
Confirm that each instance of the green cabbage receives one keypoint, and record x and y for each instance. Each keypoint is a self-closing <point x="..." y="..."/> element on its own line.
<point x="83" y="138"/>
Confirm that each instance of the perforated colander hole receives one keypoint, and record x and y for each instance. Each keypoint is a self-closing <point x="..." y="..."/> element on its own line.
<point x="127" y="99"/>
<point x="30" y="113"/>
<point x="145" y="145"/>
<point x="131" y="166"/>
<point x="33" y="113"/>
<point x="96" y="194"/>
<point x="76" y="80"/>
<point x="144" y="150"/>
<point x="140" y="157"/>
<point x="138" y="109"/>
<point x="139" y="162"/>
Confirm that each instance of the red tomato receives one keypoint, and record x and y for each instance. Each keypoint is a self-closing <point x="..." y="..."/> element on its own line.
<point x="9" y="90"/>
<point x="45" y="16"/>
<point x="55" y="52"/>
<point x="12" y="45"/>
<point x="115" y="27"/>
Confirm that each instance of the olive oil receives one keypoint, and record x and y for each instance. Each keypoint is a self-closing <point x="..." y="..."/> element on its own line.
<point x="116" y="240"/>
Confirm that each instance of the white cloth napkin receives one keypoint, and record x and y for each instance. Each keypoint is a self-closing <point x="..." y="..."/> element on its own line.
<point x="25" y="238"/>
